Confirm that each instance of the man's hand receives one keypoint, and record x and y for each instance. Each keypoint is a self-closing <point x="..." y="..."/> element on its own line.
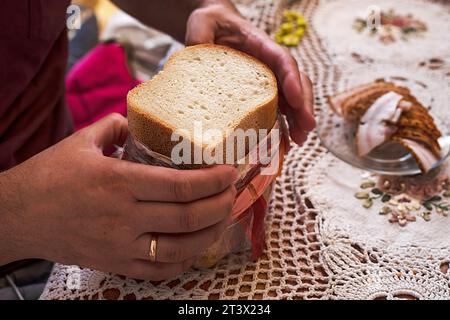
<point x="220" y="23"/>
<point x="71" y="204"/>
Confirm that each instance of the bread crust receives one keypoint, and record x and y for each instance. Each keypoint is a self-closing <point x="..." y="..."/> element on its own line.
<point x="156" y="134"/>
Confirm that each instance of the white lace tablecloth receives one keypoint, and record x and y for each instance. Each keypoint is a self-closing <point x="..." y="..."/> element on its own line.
<point x="321" y="242"/>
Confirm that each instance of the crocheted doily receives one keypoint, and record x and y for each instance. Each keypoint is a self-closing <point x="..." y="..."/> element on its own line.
<point x="366" y="255"/>
<point x="321" y="243"/>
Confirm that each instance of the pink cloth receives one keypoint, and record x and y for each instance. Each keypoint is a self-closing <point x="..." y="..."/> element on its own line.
<point x="98" y="85"/>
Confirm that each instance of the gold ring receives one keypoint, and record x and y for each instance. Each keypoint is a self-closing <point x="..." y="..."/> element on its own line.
<point x="153" y="246"/>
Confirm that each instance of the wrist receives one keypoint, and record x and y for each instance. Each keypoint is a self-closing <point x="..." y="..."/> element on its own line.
<point x="10" y="213"/>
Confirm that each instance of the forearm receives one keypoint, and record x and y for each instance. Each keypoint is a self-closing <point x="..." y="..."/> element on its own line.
<point x="169" y="16"/>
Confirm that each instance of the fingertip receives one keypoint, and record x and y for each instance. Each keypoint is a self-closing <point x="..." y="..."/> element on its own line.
<point x="200" y="29"/>
<point x="299" y="136"/>
<point x="309" y="122"/>
<point x="305" y="119"/>
<point x="232" y="172"/>
<point x="228" y="174"/>
<point x="112" y="129"/>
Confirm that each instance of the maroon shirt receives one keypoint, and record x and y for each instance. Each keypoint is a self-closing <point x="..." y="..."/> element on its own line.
<point x="33" y="57"/>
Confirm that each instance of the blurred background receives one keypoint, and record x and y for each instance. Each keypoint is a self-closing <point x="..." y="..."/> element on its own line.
<point x="103" y="21"/>
<point x="108" y="56"/>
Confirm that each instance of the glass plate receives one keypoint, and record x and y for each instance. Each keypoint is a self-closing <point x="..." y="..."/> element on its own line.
<point x="338" y="136"/>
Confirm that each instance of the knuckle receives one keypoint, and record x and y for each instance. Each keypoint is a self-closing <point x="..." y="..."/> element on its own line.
<point x="116" y="117"/>
<point x="109" y="179"/>
<point x="86" y="134"/>
<point x="176" y="254"/>
<point x="117" y="172"/>
<point x="189" y="219"/>
<point x="182" y="189"/>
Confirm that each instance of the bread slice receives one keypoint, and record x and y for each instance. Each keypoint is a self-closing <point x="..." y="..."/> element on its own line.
<point x="219" y="87"/>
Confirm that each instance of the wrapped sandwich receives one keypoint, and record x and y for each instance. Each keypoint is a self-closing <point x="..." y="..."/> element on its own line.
<point x="385" y="112"/>
<point x="202" y="97"/>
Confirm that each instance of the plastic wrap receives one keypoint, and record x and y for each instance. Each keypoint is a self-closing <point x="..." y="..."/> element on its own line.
<point x="254" y="187"/>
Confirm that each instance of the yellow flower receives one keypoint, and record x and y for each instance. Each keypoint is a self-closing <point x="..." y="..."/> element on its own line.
<point x="287" y="27"/>
<point x="290" y="15"/>
<point x="279" y="38"/>
<point x="301" y="22"/>
<point x="299" y="32"/>
<point x="292" y="29"/>
<point x="291" y="40"/>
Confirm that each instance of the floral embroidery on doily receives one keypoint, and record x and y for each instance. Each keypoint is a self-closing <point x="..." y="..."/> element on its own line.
<point x="406" y="198"/>
<point x="391" y="26"/>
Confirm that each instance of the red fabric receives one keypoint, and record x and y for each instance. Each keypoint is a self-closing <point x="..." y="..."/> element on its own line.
<point x="258" y="234"/>
<point x="98" y="85"/>
<point x="33" y="56"/>
<point x="245" y="203"/>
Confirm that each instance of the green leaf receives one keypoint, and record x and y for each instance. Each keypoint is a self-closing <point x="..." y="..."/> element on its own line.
<point x="428" y="206"/>
<point x="377" y="191"/>
<point x="435" y="199"/>
<point x="409" y="30"/>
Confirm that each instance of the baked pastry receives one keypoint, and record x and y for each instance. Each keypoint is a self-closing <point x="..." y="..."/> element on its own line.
<point x="384" y="111"/>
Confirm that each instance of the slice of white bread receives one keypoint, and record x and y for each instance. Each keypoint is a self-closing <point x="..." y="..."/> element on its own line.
<point x="219" y="87"/>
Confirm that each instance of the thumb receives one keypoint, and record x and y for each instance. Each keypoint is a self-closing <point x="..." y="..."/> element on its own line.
<point x="200" y="28"/>
<point x="110" y="130"/>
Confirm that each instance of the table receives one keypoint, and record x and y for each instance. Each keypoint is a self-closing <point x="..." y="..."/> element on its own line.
<point x="321" y="244"/>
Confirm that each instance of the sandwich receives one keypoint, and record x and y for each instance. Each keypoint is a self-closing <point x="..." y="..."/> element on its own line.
<point x="386" y="112"/>
<point x="221" y="90"/>
<point x="216" y="87"/>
